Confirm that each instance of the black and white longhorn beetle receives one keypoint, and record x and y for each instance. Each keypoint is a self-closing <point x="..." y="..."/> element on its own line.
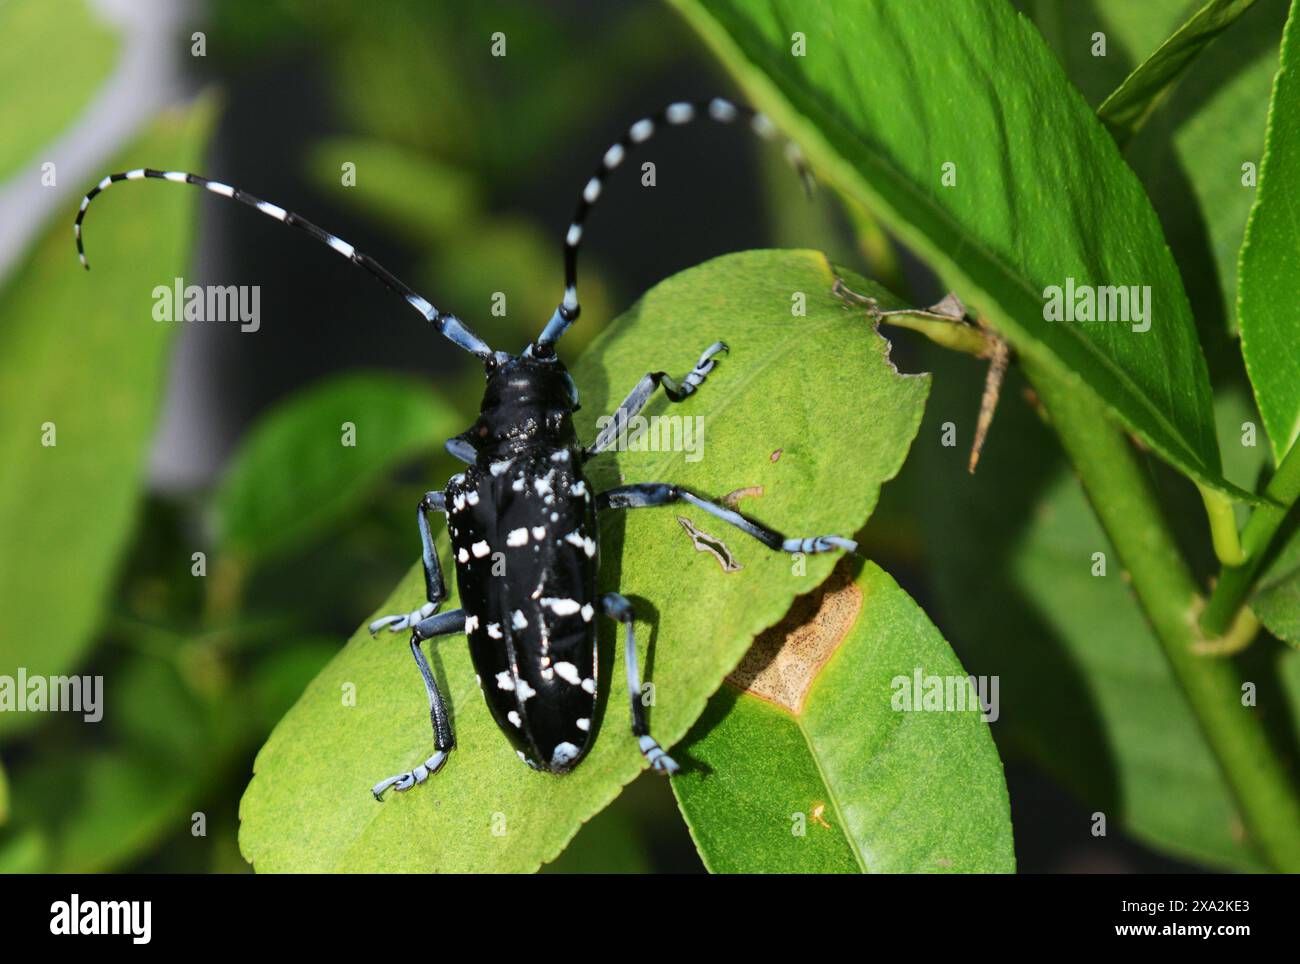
<point x="523" y="493"/>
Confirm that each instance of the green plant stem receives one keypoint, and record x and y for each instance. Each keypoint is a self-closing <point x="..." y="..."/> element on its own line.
<point x="1236" y="581"/>
<point x="1119" y="491"/>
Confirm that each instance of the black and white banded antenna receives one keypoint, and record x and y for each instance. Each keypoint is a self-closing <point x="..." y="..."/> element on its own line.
<point x="674" y="115"/>
<point x="447" y="325"/>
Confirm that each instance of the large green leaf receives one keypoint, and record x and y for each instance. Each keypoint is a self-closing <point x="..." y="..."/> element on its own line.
<point x="1276" y="600"/>
<point x="82" y="351"/>
<point x="1270" y="260"/>
<point x="885" y="96"/>
<point x="813" y="766"/>
<point x="424" y="196"/>
<point x="767" y="415"/>
<point x="37" y="107"/>
<point x="1147" y="87"/>
<point x="313" y="458"/>
<point x="1198" y="158"/>
<point x="1086" y="692"/>
<point x="1196" y="154"/>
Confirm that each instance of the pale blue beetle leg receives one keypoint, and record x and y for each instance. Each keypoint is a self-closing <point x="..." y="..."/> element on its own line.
<point x="617" y="607"/>
<point x="444" y="739"/>
<point x="459" y="448"/>
<point x="637" y="398"/>
<point x="435" y="589"/>
<point x="647" y="495"/>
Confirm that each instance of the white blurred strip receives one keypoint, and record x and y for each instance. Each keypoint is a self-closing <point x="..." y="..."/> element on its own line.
<point x="147" y="77"/>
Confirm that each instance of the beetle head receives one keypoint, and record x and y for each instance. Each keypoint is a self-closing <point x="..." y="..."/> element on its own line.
<point x="526" y="400"/>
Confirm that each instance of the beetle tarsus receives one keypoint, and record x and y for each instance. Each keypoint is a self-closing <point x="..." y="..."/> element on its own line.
<point x="397" y="623"/>
<point x="660" y="761"/>
<point x="404" y="781"/>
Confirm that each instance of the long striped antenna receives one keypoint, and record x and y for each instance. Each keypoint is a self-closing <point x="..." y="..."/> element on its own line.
<point x="448" y="325"/>
<point x="674" y="115"/>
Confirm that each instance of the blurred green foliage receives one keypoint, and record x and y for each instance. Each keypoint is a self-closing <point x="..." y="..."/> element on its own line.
<point x="39" y="33"/>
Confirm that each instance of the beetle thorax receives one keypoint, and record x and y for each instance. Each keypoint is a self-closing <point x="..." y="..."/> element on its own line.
<point x="527" y="403"/>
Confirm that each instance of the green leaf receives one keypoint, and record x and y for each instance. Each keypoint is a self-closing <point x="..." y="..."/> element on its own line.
<point x="301" y="468"/>
<point x="22" y="851"/>
<point x="1042" y="195"/>
<point x="1276" y="599"/>
<point x="1270" y="260"/>
<point x="97" y="808"/>
<point x="812" y="767"/>
<point x="765" y="416"/>
<point x="1192" y="154"/>
<point x="1147" y="87"/>
<point x="82" y="353"/>
<point x="4" y="795"/>
<point x="610" y="843"/>
<point x="1196" y="159"/>
<point x="424" y="196"/>
<point x="1086" y="692"/>
<point x="40" y="34"/>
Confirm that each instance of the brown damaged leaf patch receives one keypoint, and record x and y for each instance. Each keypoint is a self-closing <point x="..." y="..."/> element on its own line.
<point x="784" y="660"/>
<point x="714" y="546"/>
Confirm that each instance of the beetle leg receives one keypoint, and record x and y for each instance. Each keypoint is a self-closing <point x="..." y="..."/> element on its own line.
<point x="617" y="607"/>
<point x="646" y="495"/>
<point x="443" y="738"/>
<point x="434" y="588"/>
<point x="637" y="398"/>
<point x="459" y="448"/>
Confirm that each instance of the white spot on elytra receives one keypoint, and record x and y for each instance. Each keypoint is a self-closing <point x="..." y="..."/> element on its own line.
<point x="471" y="624"/>
<point x="561" y="607"/>
<point x="578" y="488"/>
<point x="471" y="497"/>
<point x="513" y="717"/>
<point x="589" y="686"/>
<point x="568" y="672"/>
<point x="525" y="691"/>
<point x="583" y="724"/>
<point x="517" y="537"/>
<point x="497" y="468"/>
<point x="504" y="680"/>
<point x="480" y="549"/>
<point x="564" y="752"/>
<point x="462" y="555"/>
<point x="539" y="533"/>
<point x="587" y="612"/>
<point x="518" y="620"/>
<point x="494" y="630"/>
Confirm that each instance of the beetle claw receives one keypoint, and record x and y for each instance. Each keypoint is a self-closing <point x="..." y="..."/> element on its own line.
<point x="404" y="781"/>
<point x="397" y="623"/>
<point x="660" y="761"/>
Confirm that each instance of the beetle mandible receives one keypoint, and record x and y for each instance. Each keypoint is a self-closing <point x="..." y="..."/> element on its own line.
<point x="531" y="627"/>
